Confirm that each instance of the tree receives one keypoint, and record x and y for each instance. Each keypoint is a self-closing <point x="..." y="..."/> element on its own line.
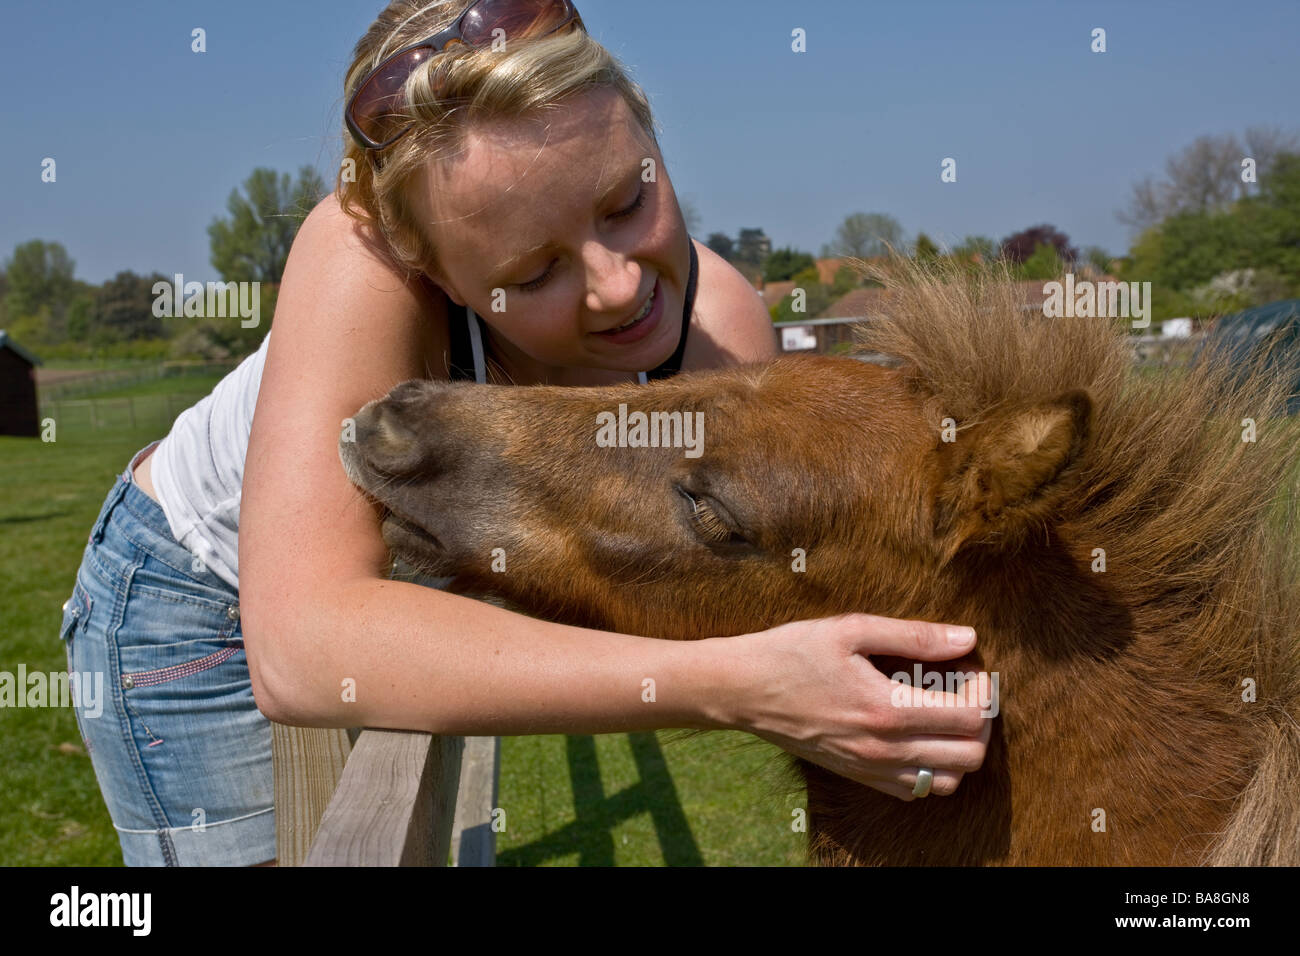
<point x="1206" y="176"/>
<point x="217" y="339"/>
<point x="721" y="243"/>
<point x="1240" y="289"/>
<point x="1098" y="258"/>
<point x="1271" y="219"/>
<point x="253" y="243"/>
<point x="816" y="297"/>
<point x="1206" y="262"/>
<point x="863" y="235"/>
<point x="1019" y="246"/>
<point x="124" y="309"/>
<point x="752" y="247"/>
<point x="1043" y="263"/>
<point x="81" y="313"/>
<point x="1189" y="249"/>
<point x="784" y="263"/>
<point x="972" y="246"/>
<point x="924" y="249"/>
<point x="846" y="279"/>
<point x="39" y="288"/>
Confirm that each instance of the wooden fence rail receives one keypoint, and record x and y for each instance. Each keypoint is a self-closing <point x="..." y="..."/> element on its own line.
<point x="383" y="797"/>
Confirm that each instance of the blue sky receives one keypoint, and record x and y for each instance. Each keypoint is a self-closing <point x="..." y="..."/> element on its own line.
<point x="150" y="138"/>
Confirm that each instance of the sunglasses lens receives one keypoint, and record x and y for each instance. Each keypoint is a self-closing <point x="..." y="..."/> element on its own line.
<point x="515" y="18"/>
<point x="376" y="109"/>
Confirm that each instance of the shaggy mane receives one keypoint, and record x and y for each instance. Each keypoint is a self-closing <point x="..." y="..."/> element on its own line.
<point x="1198" y="525"/>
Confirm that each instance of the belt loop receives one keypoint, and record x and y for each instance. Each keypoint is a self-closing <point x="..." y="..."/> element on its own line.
<point x="141" y="455"/>
<point x="124" y="480"/>
<point x="97" y="532"/>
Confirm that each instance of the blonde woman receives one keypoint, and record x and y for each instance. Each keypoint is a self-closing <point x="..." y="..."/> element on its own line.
<point x="495" y="152"/>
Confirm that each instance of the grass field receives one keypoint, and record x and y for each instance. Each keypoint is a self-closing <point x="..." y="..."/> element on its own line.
<point x="617" y="799"/>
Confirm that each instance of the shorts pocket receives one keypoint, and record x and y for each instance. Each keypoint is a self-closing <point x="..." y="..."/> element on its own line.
<point x="178" y="668"/>
<point x="76" y="622"/>
<point x="190" y="671"/>
<point x="189" y="668"/>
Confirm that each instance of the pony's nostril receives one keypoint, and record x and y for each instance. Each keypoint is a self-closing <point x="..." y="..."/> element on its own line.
<point x="406" y="391"/>
<point x="390" y="436"/>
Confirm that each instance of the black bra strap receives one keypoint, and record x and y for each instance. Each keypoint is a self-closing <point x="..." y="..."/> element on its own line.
<point x="673" y="365"/>
<point x="461" y="357"/>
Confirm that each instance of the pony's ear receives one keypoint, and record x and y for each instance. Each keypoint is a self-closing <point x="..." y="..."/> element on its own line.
<point x="1007" y="474"/>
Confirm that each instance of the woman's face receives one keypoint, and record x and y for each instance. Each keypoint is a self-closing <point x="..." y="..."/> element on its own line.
<point x="550" y="233"/>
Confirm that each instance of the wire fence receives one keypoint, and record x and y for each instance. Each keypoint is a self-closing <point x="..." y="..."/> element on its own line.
<point x="106" y="379"/>
<point x="114" y="413"/>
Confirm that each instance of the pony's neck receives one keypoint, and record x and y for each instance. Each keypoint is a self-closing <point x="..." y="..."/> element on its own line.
<point x="1040" y="603"/>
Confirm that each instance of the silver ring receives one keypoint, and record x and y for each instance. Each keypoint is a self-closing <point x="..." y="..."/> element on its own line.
<point x="924" y="778"/>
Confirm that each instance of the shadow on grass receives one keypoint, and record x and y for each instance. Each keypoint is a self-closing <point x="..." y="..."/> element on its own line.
<point x="597" y="814"/>
<point x="26" y="519"/>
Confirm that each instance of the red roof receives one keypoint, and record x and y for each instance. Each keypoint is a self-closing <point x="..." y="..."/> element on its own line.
<point x="774" y="292"/>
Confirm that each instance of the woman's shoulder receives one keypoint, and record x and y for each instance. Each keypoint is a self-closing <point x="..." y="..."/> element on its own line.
<point x="729" y="323"/>
<point x="342" y="281"/>
<point x="331" y="228"/>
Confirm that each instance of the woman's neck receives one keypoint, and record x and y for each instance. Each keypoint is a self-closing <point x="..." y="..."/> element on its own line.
<point x="507" y="365"/>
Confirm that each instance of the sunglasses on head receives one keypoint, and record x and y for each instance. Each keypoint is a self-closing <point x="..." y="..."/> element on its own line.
<point x="373" y="114"/>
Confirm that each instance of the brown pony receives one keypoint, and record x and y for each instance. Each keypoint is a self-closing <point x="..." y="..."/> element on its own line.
<point x="1123" y="544"/>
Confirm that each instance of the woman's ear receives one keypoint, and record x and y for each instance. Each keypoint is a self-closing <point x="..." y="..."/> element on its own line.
<point x="1004" y="475"/>
<point x="445" y="284"/>
<point x="452" y="294"/>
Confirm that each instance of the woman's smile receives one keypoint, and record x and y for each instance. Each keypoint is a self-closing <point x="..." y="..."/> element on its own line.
<point x="644" y="322"/>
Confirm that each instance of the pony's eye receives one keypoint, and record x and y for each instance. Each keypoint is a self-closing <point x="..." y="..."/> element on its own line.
<point x="711" y="527"/>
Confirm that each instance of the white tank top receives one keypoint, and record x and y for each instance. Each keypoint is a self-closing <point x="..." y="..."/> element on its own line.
<point x="198" y="469"/>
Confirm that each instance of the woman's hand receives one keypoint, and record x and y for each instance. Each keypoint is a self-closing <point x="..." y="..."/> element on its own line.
<point x="812" y="692"/>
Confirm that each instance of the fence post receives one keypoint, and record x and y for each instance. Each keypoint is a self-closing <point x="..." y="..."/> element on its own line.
<point x="308" y="764"/>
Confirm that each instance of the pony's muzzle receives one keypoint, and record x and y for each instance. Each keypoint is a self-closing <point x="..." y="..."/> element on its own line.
<point x="400" y="435"/>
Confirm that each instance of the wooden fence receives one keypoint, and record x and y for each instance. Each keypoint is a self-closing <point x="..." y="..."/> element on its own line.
<point x="383" y="797"/>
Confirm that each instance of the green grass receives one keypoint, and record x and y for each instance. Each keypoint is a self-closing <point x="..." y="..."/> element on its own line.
<point x="52" y="813"/>
<point x="617" y="799"/>
<point x="647" y="799"/>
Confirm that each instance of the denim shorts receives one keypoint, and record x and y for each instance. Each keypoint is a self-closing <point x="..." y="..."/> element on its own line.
<point x="181" y="752"/>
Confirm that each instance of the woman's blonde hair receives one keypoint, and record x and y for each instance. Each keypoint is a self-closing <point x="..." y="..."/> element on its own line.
<point x="527" y="79"/>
